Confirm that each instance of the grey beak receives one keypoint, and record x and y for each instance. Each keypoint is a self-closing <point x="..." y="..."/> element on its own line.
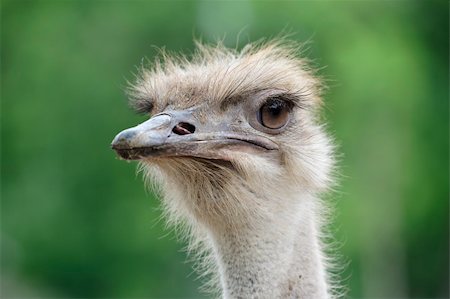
<point x="178" y="133"/>
<point x="148" y="138"/>
<point x="152" y="132"/>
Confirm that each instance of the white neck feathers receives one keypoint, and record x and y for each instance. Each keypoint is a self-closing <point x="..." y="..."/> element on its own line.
<point x="277" y="258"/>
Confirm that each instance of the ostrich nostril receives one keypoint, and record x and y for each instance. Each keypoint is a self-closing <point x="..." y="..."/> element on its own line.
<point x="183" y="128"/>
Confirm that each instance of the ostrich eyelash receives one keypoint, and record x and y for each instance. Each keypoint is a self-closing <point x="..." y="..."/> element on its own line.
<point x="291" y="99"/>
<point x="297" y="99"/>
<point x="142" y="105"/>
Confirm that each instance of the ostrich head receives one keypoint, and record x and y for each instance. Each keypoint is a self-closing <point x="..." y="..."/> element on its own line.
<point x="235" y="142"/>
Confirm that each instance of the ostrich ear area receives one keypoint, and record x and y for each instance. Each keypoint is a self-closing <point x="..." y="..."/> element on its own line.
<point x="168" y="135"/>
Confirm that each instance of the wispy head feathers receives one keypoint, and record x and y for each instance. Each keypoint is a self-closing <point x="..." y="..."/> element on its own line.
<point x="214" y="73"/>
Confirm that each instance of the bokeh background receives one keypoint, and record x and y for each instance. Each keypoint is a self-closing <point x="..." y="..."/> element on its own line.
<point x="76" y="222"/>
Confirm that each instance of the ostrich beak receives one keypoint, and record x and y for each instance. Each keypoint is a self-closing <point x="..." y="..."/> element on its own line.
<point x="178" y="134"/>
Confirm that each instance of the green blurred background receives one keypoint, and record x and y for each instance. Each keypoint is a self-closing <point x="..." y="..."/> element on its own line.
<point x="76" y="222"/>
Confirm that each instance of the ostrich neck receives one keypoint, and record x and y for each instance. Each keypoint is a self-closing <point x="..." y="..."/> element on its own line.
<point x="279" y="257"/>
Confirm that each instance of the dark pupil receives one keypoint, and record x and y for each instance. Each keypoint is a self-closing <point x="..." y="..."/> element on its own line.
<point x="274" y="108"/>
<point x="273" y="114"/>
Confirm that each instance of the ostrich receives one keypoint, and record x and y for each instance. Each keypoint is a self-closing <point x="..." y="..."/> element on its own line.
<point x="238" y="151"/>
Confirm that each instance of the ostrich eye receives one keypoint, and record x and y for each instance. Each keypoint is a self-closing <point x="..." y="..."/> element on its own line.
<point x="274" y="114"/>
